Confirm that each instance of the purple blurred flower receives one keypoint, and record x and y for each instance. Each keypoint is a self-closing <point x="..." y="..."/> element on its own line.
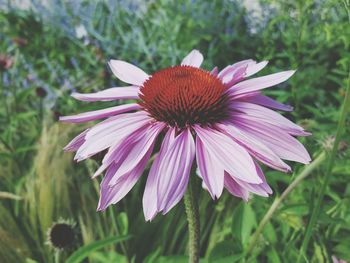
<point x="218" y="117"/>
<point x="335" y="260"/>
<point x="6" y="61"/>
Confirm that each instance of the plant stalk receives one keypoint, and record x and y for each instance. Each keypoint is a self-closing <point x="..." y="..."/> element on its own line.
<point x="192" y="212"/>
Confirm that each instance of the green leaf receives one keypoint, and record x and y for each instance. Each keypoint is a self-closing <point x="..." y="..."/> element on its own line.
<point x="270" y="233"/>
<point x="85" y="251"/>
<point x="224" y="251"/>
<point x="243" y="222"/>
<point x="272" y="256"/>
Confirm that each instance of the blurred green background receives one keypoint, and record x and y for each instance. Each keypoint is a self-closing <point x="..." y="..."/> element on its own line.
<point x="50" y="48"/>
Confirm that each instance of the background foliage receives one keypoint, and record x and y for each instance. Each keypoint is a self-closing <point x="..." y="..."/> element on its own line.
<point x="51" y="48"/>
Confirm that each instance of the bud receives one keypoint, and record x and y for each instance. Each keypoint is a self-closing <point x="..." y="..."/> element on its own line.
<point x="41" y="92"/>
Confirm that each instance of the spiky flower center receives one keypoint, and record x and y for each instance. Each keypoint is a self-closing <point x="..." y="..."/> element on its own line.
<point x="185" y="95"/>
<point x="61" y="235"/>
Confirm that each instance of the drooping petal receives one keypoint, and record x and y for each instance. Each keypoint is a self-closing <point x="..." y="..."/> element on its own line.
<point x="127" y="72"/>
<point x="109" y="94"/>
<point x="241" y="189"/>
<point x="210" y="169"/>
<point x="174" y="171"/>
<point x="76" y="142"/>
<point x="231" y="156"/>
<point x="262" y="189"/>
<point x="110" y="131"/>
<point x="99" y="114"/>
<point x="255" y="147"/>
<point x="267" y="102"/>
<point x="234" y="188"/>
<point x="113" y="194"/>
<point x="279" y="141"/>
<point x="260" y="83"/>
<point x="132" y="150"/>
<point x="194" y="59"/>
<point x="259" y="113"/>
<point x="119" y="151"/>
<point x="150" y="198"/>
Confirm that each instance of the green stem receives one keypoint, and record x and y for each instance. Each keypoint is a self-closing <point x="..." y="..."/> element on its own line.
<point x="328" y="171"/>
<point x="305" y="173"/>
<point x="57" y="256"/>
<point x="192" y="212"/>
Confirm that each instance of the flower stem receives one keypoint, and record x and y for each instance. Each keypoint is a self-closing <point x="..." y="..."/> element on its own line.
<point x="192" y="212"/>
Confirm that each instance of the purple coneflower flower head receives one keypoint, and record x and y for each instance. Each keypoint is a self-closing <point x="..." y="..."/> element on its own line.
<point x="216" y="119"/>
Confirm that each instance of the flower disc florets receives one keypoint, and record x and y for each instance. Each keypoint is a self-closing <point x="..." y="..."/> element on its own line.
<point x="185" y="95"/>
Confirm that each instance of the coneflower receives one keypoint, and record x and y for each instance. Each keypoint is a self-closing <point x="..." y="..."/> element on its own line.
<point x="62" y="235"/>
<point x="220" y="119"/>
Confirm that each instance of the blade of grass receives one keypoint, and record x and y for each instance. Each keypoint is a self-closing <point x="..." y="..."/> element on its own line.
<point x="83" y="252"/>
<point x="7" y="195"/>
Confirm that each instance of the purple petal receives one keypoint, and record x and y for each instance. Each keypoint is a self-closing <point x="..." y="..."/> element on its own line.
<point x="254" y="67"/>
<point x="99" y="114"/>
<point x="255" y="147"/>
<point x="259" y="113"/>
<point x="105" y="127"/>
<point x="238" y="71"/>
<point x="194" y="59"/>
<point x="76" y="142"/>
<point x="236" y="76"/>
<point x="150" y="199"/>
<point x="109" y="94"/>
<point x="113" y="194"/>
<point x="109" y="132"/>
<point x="174" y="171"/>
<point x="127" y="72"/>
<point x="267" y="102"/>
<point x="235" y="72"/>
<point x="262" y="189"/>
<point x="260" y="83"/>
<point x="214" y="71"/>
<point x="230" y="155"/>
<point x="132" y="150"/>
<point x="231" y="68"/>
<point x="210" y="170"/>
<point x="279" y="141"/>
<point x="241" y="189"/>
<point x="234" y="188"/>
